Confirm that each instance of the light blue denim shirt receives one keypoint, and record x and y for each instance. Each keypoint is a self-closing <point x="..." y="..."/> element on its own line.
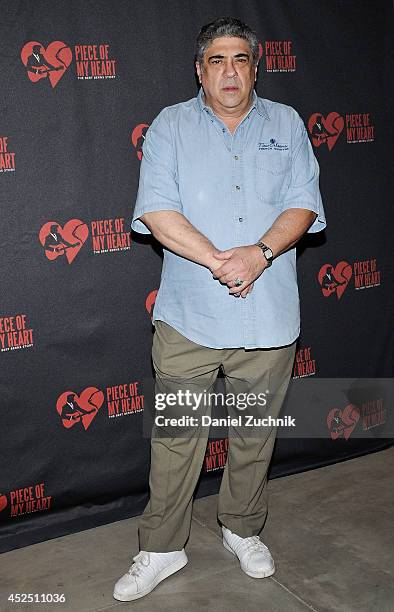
<point x="231" y="187"/>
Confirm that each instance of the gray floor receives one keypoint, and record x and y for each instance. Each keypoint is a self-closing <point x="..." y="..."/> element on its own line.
<point x="329" y="530"/>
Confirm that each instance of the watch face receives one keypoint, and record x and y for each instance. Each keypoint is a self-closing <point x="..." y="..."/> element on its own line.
<point x="268" y="254"/>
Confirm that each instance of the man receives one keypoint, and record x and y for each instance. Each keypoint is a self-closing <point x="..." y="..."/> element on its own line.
<point x="55" y="243"/>
<point x="72" y="409"/>
<point x="228" y="185"/>
<point x="37" y="64"/>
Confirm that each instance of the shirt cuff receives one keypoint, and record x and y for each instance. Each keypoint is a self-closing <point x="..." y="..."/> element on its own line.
<point x="319" y="223"/>
<point x="140" y="227"/>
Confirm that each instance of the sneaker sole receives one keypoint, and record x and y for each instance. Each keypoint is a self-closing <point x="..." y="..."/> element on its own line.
<point x="167" y="571"/>
<point x="262" y="574"/>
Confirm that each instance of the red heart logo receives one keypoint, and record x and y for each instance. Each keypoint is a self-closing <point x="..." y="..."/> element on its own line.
<point x="67" y="240"/>
<point x="342" y="422"/>
<point x="3" y="502"/>
<point x="83" y="408"/>
<point x="150" y="301"/>
<point x="138" y="137"/>
<point x="51" y="62"/>
<point x="334" y="280"/>
<point x="325" y="129"/>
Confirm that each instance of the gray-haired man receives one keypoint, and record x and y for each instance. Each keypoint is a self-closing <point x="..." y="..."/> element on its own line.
<point x="228" y="185"/>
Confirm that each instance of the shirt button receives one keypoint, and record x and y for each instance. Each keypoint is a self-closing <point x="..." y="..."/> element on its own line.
<point x="236" y="157"/>
<point x="240" y="219"/>
<point x="223" y="130"/>
<point x="237" y="187"/>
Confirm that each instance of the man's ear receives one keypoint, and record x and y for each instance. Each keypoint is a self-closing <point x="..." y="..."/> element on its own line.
<point x="255" y="72"/>
<point x="198" y="70"/>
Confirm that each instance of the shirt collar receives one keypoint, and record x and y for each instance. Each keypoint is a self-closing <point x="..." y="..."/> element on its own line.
<point x="257" y="103"/>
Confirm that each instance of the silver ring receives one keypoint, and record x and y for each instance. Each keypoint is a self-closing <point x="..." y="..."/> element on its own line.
<point x="238" y="282"/>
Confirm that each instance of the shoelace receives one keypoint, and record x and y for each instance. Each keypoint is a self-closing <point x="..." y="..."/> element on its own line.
<point x="254" y="543"/>
<point x="140" y="561"/>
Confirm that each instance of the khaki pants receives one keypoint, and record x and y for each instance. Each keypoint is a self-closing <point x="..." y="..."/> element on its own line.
<point x="177" y="457"/>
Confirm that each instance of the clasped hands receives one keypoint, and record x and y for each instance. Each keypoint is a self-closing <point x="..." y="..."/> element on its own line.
<point x="246" y="263"/>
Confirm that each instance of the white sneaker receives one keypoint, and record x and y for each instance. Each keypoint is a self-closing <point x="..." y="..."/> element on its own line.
<point x="147" y="571"/>
<point x="254" y="556"/>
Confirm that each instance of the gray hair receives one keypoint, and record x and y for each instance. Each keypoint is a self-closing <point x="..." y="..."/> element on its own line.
<point x="225" y="26"/>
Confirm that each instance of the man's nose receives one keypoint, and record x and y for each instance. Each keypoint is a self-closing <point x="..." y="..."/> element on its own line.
<point x="230" y="69"/>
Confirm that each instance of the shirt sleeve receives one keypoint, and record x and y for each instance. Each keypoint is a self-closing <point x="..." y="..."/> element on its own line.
<point x="303" y="191"/>
<point x="158" y="185"/>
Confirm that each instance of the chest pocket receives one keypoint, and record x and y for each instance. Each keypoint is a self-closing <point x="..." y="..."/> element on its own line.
<point x="271" y="177"/>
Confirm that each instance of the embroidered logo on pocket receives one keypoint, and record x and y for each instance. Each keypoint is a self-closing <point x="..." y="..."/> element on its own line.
<point x="273" y="145"/>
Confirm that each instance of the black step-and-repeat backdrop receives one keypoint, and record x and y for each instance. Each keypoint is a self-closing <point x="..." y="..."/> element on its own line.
<point x="80" y="83"/>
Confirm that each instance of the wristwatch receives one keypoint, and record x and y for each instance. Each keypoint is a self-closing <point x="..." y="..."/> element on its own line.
<point x="266" y="251"/>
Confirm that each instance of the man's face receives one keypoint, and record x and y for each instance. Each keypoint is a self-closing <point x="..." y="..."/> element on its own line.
<point x="228" y="74"/>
